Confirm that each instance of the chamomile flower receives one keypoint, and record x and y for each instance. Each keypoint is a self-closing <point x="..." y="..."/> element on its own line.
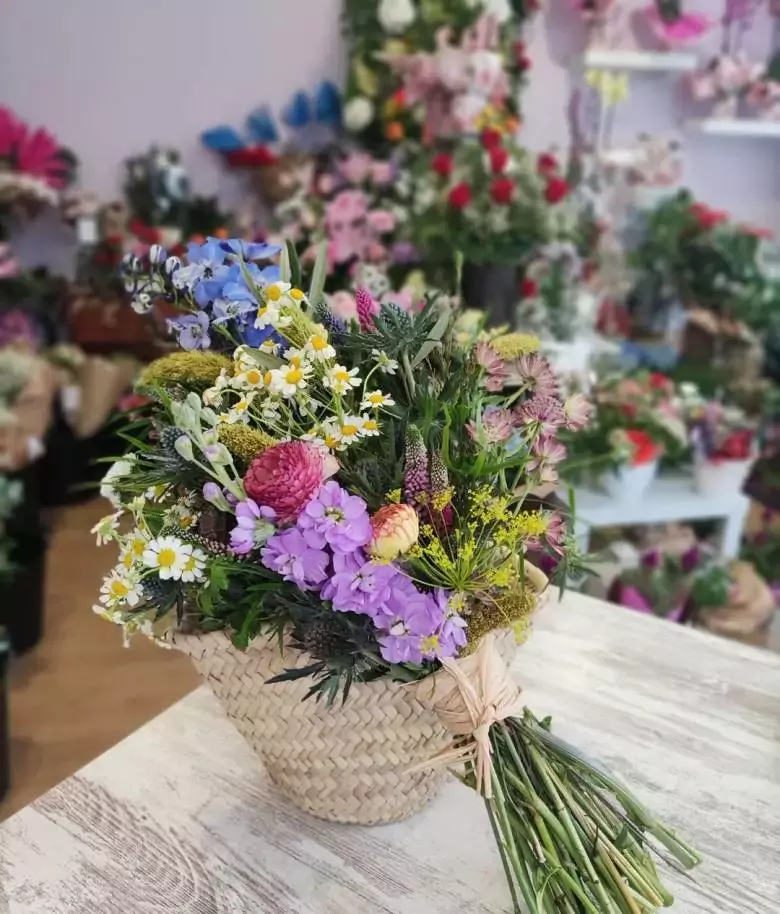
<point x="375" y="399"/>
<point x="350" y="429"/>
<point x="106" y="528"/>
<point x="182" y="515"/>
<point x="385" y="363"/>
<point x="192" y="569"/>
<point x="269" y="346"/>
<point x="238" y="412"/>
<point x="133" y="548"/>
<point x="289" y="380"/>
<point x="120" y="589"/>
<point x="319" y="348"/>
<point x="369" y="427"/>
<point x="275" y="291"/>
<point x="271" y="411"/>
<point x="341" y="380"/>
<point x="269" y="315"/>
<point x="167" y="555"/>
<point x="296" y="357"/>
<point x="249" y="379"/>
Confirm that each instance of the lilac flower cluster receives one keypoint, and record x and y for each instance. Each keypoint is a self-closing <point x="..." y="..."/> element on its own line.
<point x="325" y="552"/>
<point x="214" y="279"/>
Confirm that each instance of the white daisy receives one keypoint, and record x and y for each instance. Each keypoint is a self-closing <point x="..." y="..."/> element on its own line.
<point x="350" y="429"/>
<point x="369" y="427"/>
<point x="106" y="528"/>
<point x="238" y="412"/>
<point x="297" y="357"/>
<point x="375" y="399"/>
<point x="287" y="381"/>
<point x="120" y="589"/>
<point x="116" y="471"/>
<point x="319" y="348"/>
<point x="250" y="379"/>
<point x="168" y="555"/>
<point x="193" y="567"/>
<point x="341" y="380"/>
<point x="386" y="364"/>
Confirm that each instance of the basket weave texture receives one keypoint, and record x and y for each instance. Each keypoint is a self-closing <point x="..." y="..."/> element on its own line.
<point x="345" y="763"/>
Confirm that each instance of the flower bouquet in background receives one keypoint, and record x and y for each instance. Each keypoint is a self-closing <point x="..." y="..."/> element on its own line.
<point x="279" y="169"/>
<point x="319" y="515"/>
<point x="423" y="71"/>
<point x="636" y="422"/>
<point x="550" y="292"/>
<point x="724" y="447"/>
<point x="726" y="80"/>
<point x="673" y="26"/>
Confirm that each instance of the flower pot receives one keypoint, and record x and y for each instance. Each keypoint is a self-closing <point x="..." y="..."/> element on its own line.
<point x="345" y="762"/>
<point x="721" y="477"/>
<point x="629" y="484"/>
<point x="491" y="287"/>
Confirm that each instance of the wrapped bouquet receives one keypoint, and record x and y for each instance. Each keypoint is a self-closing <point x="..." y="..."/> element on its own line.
<point x="339" y="513"/>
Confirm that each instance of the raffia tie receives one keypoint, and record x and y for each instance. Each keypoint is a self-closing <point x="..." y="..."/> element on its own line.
<point x="469" y="696"/>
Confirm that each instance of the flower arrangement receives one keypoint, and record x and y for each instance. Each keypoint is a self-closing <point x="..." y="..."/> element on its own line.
<point x="429" y="71"/>
<point x="701" y="257"/>
<point x="726" y="80"/>
<point x="636" y="421"/>
<point x="34" y="167"/>
<point x="341" y="486"/>
<point x="722" y="433"/>
<point x="491" y="200"/>
<point x="549" y="292"/>
<point x="673" y="26"/>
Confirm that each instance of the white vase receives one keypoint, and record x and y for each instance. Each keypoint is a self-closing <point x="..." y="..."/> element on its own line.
<point x="629" y="484"/>
<point x="720" y="478"/>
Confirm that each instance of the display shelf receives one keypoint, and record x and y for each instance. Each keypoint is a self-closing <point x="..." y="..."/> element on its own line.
<point x="669" y="498"/>
<point x="744" y="127"/>
<point x="649" y="61"/>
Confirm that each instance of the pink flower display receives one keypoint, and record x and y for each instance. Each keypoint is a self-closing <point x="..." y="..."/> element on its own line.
<point x="32" y="152"/>
<point x="685" y="29"/>
<point x="286" y="477"/>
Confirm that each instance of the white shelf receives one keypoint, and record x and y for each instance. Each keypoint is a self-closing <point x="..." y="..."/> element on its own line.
<point x="725" y="126"/>
<point x="651" y="61"/>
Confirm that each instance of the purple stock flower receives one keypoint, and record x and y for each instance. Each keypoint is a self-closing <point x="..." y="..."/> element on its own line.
<point x="364" y="590"/>
<point x="288" y="554"/>
<point x="452" y="631"/>
<point x="343" y="563"/>
<point x="336" y="519"/>
<point x="193" y="330"/>
<point x="253" y="527"/>
<point x="413" y="620"/>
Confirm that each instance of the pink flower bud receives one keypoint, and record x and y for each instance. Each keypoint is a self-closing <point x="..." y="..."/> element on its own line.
<point x="395" y="530"/>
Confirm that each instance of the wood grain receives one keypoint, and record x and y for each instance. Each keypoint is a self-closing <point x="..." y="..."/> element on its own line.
<point x="179" y="817"/>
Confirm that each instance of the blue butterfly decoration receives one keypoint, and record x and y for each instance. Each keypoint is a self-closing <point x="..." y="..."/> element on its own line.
<point x="322" y="109"/>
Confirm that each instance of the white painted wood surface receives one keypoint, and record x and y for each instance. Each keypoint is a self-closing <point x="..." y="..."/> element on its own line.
<point x="179" y="817"/>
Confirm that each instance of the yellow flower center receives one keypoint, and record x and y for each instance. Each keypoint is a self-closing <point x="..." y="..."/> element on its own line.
<point x="294" y="376"/>
<point x="186" y="521"/>
<point x="273" y="293"/>
<point x="296" y="294"/>
<point x="376" y="399"/>
<point x="295" y="360"/>
<point x="119" y="589"/>
<point x="331" y="441"/>
<point x="349" y="431"/>
<point x="341" y="375"/>
<point x="267" y="378"/>
<point x="370" y="425"/>
<point x="166" y="558"/>
<point x="138" y="546"/>
<point x="127" y="561"/>
<point x="430" y="644"/>
<point x="253" y="376"/>
<point x="318" y="343"/>
<point x="190" y="564"/>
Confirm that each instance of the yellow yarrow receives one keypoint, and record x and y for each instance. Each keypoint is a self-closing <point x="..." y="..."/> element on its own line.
<point x="244" y="442"/>
<point x="183" y="367"/>
<point x="513" y="345"/>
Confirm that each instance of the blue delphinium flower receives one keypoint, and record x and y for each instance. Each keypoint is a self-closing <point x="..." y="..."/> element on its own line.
<point x="193" y="330"/>
<point x="255" y="337"/>
<point x="224" y="310"/>
<point x="250" y="250"/>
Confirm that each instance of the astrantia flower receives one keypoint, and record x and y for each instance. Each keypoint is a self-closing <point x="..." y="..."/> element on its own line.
<point x="546" y="454"/>
<point x="535" y="371"/>
<point x="336" y="519"/>
<point x="577" y="411"/>
<point x="385" y="363"/>
<point x="493" y="364"/>
<point x="168" y="555"/>
<point x="496" y="426"/>
<point x="341" y="380"/>
<point x="375" y="399"/>
<point x="289" y="555"/>
<point x="254" y="525"/>
<point x="286" y="477"/>
<point x="120" y="589"/>
<point x="542" y="415"/>
<point x="555" y="534"/>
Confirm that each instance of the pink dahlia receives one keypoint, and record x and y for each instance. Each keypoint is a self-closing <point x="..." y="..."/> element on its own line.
<point x="286" y="477"/>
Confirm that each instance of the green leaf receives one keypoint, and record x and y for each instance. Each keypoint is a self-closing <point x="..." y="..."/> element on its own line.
<point x="434" y="338"/>
<point x="318" y="276"/>
<point x="296" y="277"/>
<point x="285" y="268"/>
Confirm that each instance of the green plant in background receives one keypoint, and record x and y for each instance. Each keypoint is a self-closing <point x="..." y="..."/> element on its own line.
<point x="700" y="257"/>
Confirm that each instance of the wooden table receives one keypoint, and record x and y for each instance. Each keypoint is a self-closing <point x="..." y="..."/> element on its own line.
<point x="179" y="817"/>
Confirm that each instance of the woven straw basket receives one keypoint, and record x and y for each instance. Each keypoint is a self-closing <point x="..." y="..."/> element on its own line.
<point x="346" y="763"/>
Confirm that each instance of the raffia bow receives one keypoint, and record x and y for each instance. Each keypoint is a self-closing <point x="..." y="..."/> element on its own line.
<point x="469" y="696"/>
